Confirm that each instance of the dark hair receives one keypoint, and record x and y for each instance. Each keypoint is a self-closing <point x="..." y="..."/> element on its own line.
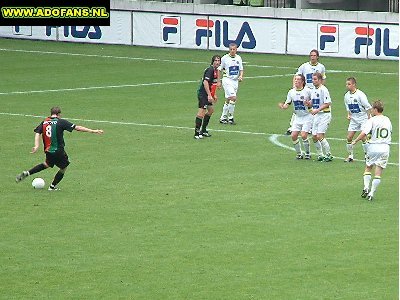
<point x="55" y="110"/>
<point x="316" y="52"/>
<point x="378" y="105"/>
<point x="214" y="58"/>
<point x="352" y="79"/>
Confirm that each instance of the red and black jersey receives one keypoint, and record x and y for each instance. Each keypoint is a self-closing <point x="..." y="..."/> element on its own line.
<point x="52" y="131"/>
<point x="210" y="75"/>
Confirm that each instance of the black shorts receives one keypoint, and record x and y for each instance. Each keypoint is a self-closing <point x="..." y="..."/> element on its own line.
<point x="203" y="102"/>
<point x="59" y="158"/>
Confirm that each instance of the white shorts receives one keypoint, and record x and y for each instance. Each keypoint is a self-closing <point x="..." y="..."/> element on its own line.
<point x="356" y="125"/>
<point x="302" y="123"/>
<point x="378" y="155"/>
<point x="321" y="123"/>
<point x="230" y="87"/>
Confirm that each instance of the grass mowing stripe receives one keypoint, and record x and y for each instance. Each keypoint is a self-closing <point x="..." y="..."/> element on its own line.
<point x="123" y="86"/>
<point x="273" y="137"/>
<point x="177" y="61"/>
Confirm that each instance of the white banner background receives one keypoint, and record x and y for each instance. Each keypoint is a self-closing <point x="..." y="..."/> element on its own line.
<point x="337" y="39"/>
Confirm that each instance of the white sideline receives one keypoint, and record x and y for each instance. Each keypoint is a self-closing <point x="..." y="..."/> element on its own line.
<point x="273" y="137"/>
<point x="179" y="61"/>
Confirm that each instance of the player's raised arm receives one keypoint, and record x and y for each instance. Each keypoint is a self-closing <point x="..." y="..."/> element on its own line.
<point x="85" y="129"/>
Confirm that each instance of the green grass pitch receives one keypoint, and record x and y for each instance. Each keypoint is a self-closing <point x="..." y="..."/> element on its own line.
<point x="147" y="212"/>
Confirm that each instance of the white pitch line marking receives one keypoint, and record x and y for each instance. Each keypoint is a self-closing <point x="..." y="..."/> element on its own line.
<point x="274" y="140"/>
<point x="168" y="126"/>
<point x="122" y="86"/>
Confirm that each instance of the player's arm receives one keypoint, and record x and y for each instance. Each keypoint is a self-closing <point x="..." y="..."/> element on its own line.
<point x="85" y="129"/>
<point x="214" y="92"/>
<point x="240" y="78"/>
<point x="361" y="136"/>
<point x="307" y="102"/>
<point x="365" y="104"/>
<point x="207" y="88"/>
<point x="285" y="105"/>
<point x="321" y="108"/>
<point x="347" y="109"/>
<point x="219" y="77"/>
<point x="37" y="142"/>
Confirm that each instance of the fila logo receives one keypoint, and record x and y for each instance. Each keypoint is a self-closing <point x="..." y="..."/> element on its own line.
<point x="22" y="30"/>
<point x="328" y="37"/>
<point x="218" y="33"/>
<point x="367" y="36"/>
<point x="86" y="31"/>
<point x="171" y="30"/>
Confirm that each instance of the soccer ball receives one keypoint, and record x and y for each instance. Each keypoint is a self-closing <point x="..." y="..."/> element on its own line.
<point x="38" y="183"/>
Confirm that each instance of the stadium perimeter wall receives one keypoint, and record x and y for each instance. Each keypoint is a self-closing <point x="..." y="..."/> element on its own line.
<point x="372" y="35"/>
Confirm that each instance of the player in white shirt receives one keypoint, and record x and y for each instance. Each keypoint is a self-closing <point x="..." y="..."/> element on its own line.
<point x="307" y="70"/>
<point x="378" y="150"/>
<point x="232" y="69"/>
<point x="313" y="66"/>
<point x="358" y="112"/>
<point x="300" y="97"/>
<point x="321" y="110"/>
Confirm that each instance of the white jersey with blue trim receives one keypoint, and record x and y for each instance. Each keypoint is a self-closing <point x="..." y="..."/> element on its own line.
<point x="307" y="70"/>
<point x="297" y="98"/>
<point x="380" y="129"/>
<point x="231" y="66"/>
<point x="357" y="105"/>
<point x="321" y="96"/>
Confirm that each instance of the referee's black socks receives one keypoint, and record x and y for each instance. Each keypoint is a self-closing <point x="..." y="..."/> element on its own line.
<point x="205" y="123"/>
<point x="198" y="123"/>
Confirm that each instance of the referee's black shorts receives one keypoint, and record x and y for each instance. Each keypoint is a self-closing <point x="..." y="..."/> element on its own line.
<point x="58" y="158"/>
<point x="203" y="102"/>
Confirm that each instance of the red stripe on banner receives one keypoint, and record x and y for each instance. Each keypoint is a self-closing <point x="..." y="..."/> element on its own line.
<point x="328" y="29"/>
<point x="204" y="23"/>
<point x="365" y="31"/>
<point x="170" y="21"/>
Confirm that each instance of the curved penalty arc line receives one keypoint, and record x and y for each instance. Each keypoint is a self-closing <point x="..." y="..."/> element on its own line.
<point x="274" y="140"/>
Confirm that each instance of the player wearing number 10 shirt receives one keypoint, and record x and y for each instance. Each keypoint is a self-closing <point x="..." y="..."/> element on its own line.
<point x="380" y="129"/>
<point x="52" y="131"/>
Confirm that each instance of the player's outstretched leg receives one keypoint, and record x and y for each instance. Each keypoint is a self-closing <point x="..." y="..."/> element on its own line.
<point x="21" y="176"/>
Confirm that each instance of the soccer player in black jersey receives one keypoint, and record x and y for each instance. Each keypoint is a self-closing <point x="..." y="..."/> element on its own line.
<point x="52" y="131"/>
<point x="206" y="95"/>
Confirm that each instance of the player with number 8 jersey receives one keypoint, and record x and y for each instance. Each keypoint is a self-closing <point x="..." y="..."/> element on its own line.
<point x="52" y="131"/>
